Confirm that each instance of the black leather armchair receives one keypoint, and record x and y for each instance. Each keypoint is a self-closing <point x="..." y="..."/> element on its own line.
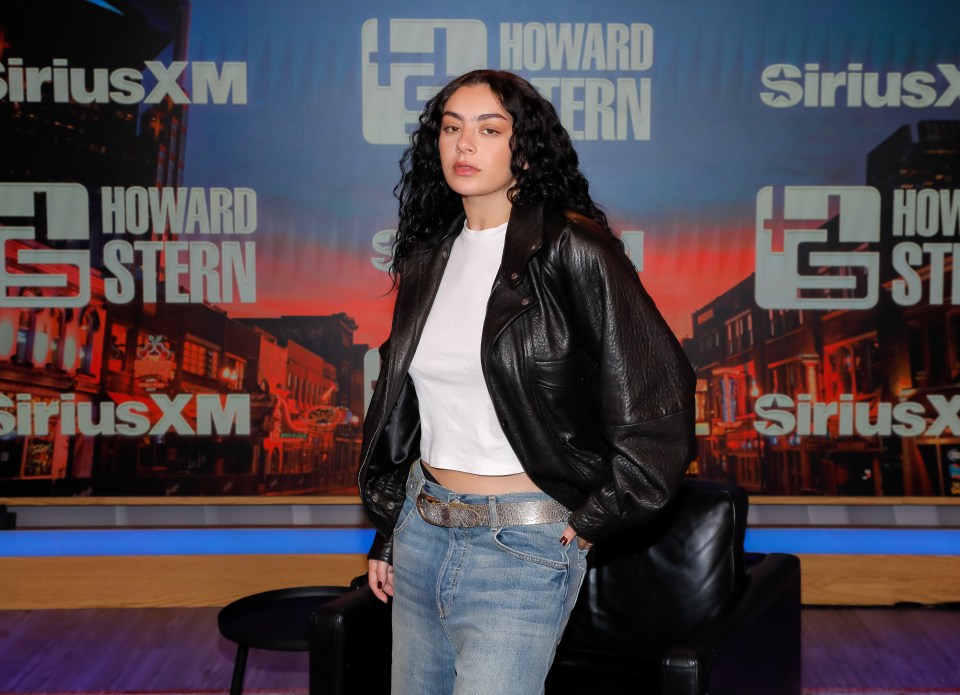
<point x="676" y="607"/>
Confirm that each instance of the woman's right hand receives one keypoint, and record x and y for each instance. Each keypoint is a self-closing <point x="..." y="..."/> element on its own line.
<point x="380" y="577"/>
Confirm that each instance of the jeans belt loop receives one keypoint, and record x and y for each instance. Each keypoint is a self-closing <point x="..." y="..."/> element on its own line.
<point x="494" y="520"/>
<point x="415" y="483"/>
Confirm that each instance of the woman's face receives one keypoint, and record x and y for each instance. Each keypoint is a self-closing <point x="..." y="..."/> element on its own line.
<point x="474" y="145"/>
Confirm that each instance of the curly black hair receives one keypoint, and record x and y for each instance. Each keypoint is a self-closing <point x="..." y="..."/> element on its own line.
<point x="543" y="163"/>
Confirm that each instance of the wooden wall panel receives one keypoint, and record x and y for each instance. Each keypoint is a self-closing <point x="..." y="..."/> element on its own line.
<point x="877" y="580"/>
<point x="215" y="580"/>
<point x="163" y="581"/>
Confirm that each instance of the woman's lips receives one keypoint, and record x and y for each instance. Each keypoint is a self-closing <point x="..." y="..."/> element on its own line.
<point x="464" y="169"/>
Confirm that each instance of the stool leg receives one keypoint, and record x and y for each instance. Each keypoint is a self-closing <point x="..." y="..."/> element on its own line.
<point x="239" y="666"/>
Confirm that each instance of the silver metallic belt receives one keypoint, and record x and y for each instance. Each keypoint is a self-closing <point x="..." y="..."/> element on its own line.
<point x="460" y="515"/>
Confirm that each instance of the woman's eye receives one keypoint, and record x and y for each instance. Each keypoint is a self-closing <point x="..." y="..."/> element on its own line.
<point x="450" y="128"/>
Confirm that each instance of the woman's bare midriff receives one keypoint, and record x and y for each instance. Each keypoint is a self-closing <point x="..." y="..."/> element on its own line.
<point x="470" y="483"/>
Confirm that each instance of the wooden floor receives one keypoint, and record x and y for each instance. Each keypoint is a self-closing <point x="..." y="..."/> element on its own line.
<point x="180" y="649"/>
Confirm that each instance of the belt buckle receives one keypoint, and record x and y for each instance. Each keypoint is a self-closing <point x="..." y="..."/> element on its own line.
<point x="424" y="499"/>
<point x="441" y="509"/>
<point x="438" y="506"/>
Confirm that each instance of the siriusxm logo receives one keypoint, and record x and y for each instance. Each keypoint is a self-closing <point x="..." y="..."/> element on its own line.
<point x="780" y="415"/>
<point x="213" y="414"/>
<point x="789" y="85"/>
<point x="792" y="235"/>
<point x="63" y="83"/>
<point x="405" y="62"/>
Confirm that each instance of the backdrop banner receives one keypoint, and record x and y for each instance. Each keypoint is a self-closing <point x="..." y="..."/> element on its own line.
<point x="196" y="215"/>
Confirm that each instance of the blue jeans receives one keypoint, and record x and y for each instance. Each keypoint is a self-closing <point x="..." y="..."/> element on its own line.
<point x="478" y="611"/>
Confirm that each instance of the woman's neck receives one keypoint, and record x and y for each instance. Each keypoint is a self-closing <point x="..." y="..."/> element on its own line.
<point x="485" y="213"/>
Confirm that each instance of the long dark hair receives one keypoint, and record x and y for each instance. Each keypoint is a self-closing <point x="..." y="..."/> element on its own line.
<point x="543" y="163"/>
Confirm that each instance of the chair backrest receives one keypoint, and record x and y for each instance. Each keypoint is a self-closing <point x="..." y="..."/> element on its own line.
<point x="648" y="589"/>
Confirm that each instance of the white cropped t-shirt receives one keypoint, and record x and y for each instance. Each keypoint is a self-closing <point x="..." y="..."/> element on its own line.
<point x="459" y="429"/>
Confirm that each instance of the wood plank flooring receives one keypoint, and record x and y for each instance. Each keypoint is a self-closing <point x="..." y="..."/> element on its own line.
<point x="181" y="649"/>
<point x="874" y="647"/>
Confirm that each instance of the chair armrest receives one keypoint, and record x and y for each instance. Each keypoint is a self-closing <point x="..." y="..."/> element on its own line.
<point x="755" y="647"/>
<point x="350" y="642"/>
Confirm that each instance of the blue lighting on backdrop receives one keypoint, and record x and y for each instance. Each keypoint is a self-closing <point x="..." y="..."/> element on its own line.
<point x="313" y="541"/>
<point x="834" y="541"/>
<point x="112" y="542"/>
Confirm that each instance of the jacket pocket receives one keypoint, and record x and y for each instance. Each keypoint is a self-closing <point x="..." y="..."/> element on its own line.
<point x="561" y="375"/>
<point x="569" y="410"/>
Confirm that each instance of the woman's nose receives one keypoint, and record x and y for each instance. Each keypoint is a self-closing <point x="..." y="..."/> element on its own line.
<point x="465" y="144"/>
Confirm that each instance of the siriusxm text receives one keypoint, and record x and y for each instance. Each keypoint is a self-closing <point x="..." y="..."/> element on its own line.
<point x="214" y="414"/>
<point x="779" y="415"/>
<point x="813" y="87"/>
<point x="62" y="83"/>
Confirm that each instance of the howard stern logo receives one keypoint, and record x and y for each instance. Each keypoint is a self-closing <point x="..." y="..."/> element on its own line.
<point x="181" y="270"/>
<point x="814" y="247"/>
<point x="794" y="226"/>
<point x="587" y="70"/>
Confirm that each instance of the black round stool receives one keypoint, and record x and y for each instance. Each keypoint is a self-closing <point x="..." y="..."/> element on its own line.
<point x="278" y="620"/>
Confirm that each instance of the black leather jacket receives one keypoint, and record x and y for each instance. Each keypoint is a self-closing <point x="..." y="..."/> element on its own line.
<point x="593" y="391"/>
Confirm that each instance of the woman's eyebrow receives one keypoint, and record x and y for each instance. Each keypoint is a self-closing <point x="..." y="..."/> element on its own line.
<point x="481" y="117"/>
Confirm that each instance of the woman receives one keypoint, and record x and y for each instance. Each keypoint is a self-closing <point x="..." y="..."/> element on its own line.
<point x="530" y="395"/>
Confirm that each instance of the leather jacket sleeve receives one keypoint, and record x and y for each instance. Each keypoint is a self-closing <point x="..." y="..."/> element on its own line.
<point x="384" y="484"/>
<point x="382" y="548"/>
<point x="646" y="387"/>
